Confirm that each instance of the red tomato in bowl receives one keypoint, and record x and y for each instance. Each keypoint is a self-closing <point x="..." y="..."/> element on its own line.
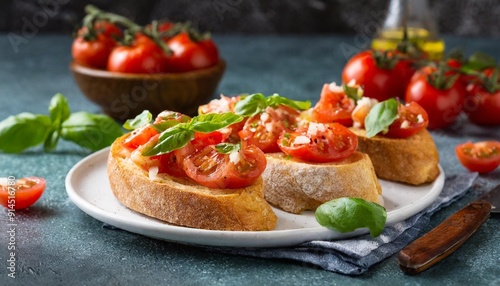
<point x="24" y="193"/>
<point x="443" y="106"/>
<point x="378" y="82"/>
<point x="188" y="55"/>
<point x="412" y="119"/>
<point x="94" y="51"/>
<point x="319" y="142"/>
<point x="143" y="56"/>
<point x="212" y="169"/>
<point x="333" y="106"/>
<point x="482" y="105"/>
<point x="482" y="157"/>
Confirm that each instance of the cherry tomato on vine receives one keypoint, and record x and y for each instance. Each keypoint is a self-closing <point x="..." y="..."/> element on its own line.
<point x="21" y="193"/>
<point x="92" y="49"/>
<point x="382" y="76"/>
<point x="442" y="97"/>
<point x="189" y="55"/>
<point x="482" y="157"/>
<point x="482" y="104"/>
<point x="142" y="56"/>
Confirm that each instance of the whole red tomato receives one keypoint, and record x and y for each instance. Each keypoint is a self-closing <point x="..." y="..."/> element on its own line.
<point x="382" y="76"/>
<point x="143" y="56"/>
<point x="188" y="55"/>
<point x="442" y="97"/>
<point x="92" y="48"/>
<point x="483" y="100"/>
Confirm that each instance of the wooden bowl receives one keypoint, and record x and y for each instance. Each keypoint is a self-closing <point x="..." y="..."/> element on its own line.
<point x="123" y="96"/>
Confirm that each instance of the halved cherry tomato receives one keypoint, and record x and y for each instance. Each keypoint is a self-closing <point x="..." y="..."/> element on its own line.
<point x="212" y="169"/>
<point x="443" y="105"/>
<point x="377" y="81"/>
<point x="94" y="50"/>
<point x="21" y="193"/>
<point x="482" y="157"/>
<point x="264" y="129"/>
<point x="412" y="119"/>
<point x="333" y="106"/>
<point x="142" y="56"/>
<point x="189" y="55"/>
<point x="319" y="142"/>
<point x="139" y="136"/>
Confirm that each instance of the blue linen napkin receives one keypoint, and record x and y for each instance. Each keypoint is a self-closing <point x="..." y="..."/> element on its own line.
<point x="356" y="255"/>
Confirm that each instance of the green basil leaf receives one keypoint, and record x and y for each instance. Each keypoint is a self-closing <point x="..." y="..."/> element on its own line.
<point x="352" y="92"/>
<point x="51" y="140"/>
<point x="227" y="148"/>
<point x="275" y="100"/>
<point x="213" y="121"/>
<point x="139" y="121"/>
<point x="349" y="214"/>
<point x="478" y="61"/>
<point x="59" y="110"/>
<point x="22" y="131"/>
<point x="169" y="119"/>
<point x="381" y="116"/>
<point x="251" y="105"/>
<point x="256" y="103"/>
<point x="92" y="131"/>
<point x="170" y="140"/>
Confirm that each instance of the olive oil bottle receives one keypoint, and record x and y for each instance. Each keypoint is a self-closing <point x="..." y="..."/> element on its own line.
<point x="421" y="28"/>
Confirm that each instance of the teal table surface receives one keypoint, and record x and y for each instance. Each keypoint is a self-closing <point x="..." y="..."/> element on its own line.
<point x="58" y="244"/>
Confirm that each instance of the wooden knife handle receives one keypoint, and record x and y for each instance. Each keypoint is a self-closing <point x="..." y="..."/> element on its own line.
<point x="444" y="238"/>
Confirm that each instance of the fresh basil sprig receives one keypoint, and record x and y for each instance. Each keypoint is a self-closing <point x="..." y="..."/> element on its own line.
<point x="179" y="135"/>
<point x="349" y="214"/>
<point x="22" y="131"/>
<point x="227" y="148"/>
<point x="139" y="121"/>
<point x="254" y="104"/>
<point x="352" y="92"/>
<point x="381" y="116"/>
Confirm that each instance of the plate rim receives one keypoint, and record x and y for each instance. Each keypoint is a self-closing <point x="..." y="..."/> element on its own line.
<point x="157" y="229"/>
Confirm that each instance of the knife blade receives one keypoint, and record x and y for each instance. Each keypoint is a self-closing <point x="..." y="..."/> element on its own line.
<point x="448" y="236"/>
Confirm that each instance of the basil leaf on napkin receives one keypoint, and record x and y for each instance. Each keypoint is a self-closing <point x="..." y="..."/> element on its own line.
<point x="349" y="214"/>
<point x="22" y="131"/>
<point x="92" y="131"/>
<point x="381" y="116"/>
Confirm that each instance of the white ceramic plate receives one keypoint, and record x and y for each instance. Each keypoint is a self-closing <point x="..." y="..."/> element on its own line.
<point x="88" y="187"/>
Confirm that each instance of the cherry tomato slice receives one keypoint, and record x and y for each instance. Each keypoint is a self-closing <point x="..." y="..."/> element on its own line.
<point x="21" y="193"/>
<point x="263" y="130"/>
<point x="139" y="137"/>
<point x="412" y="119"/>
<point x="212" y="169"/>
<point x="481" y="157"/>
<point x="319" y="142"/>
<point x="333" y="106"/>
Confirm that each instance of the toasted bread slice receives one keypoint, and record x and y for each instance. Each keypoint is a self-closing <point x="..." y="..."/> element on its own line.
<point x="185" y="203"/>
<point x="413" y="160"/>
<point x="295" y="186"/>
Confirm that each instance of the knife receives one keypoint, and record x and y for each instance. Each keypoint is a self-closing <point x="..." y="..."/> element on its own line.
<point x="449" y="235"/>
